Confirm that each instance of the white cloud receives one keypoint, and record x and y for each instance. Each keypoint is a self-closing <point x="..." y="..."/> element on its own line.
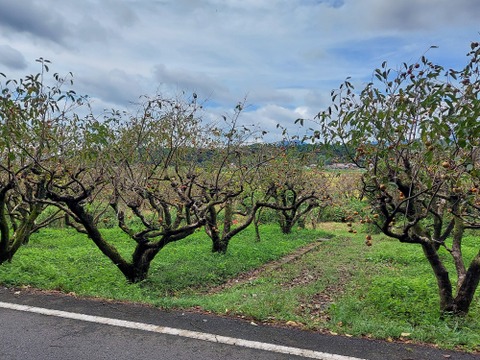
<point x="32" y="18"/>
<point x="419" y="15"/>
<point x="284" y="55"/>
<point x="12" y="58"/>
<point x="184" y="79"/>
<point x="115" y="86"/>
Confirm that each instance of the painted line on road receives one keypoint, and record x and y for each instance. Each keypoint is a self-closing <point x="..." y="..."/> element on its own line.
<point x="179" y="332"/>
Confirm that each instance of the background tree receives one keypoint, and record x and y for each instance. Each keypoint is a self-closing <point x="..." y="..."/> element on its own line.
<point x="32" y="115"/>
<point x="134" y="168"/>
<point x="228" y="181"/>
<point x="287" y="188"/>
<point x="415" y="131"/>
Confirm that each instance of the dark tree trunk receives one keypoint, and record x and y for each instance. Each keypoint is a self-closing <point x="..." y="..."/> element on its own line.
<point x="460" y="304"/>
<point x="108" y="250"/>
<point x="465" y="293"/>
<point x="4" y="228"/>
<point x="467" y="282"/>
<point x="142" y="258"/>
<point x="458" y="231"/>
<point x="445" y="289"/>
<point x="10" y="243"/>
<point x="286" y="223"/>
<point x="228" y="219"/>
<point x="256" y="221"/>
<point x="220" y="245"/>
<point x="220" y="242"/>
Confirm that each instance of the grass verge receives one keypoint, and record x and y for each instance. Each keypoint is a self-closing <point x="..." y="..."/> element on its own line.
<point x="385" y="291"/>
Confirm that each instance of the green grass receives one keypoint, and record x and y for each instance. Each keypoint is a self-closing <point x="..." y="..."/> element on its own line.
<point x="396" y="293"/>
<point x="384" y="291"/>
<point x="68" y="261"/>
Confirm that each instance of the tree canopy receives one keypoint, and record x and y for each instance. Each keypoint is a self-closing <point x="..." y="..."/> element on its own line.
<point x="416" y="132"/>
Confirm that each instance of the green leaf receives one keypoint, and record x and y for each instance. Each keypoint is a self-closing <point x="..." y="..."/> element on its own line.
<point x="299" y="121"/>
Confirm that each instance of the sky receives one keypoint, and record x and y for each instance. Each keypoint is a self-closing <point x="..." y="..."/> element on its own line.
<point x="282" y="56"/>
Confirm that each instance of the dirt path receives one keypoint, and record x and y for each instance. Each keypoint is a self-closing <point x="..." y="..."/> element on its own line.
<point x="271" y="266"/>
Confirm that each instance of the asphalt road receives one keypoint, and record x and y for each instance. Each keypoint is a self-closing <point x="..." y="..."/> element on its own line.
<point x="28" y="333"/>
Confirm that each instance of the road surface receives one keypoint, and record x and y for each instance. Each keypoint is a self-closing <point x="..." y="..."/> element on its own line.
<point x="55" y="326"/>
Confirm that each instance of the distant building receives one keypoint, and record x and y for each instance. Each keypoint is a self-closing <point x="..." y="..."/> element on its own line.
<point x="342" y="166"/>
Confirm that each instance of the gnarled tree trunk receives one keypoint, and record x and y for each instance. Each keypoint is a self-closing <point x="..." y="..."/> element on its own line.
<point x="458" y="304"/>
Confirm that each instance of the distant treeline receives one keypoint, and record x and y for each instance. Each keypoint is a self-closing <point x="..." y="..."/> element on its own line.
<point x="314" y="154"/>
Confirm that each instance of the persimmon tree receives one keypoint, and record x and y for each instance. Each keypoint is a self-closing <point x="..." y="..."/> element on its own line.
<point x="228" y="181"/>
<point x="135" y="168"/>
<point x="415" y="131"/>
<point x="288" y="188"/>
<point x="33" y="110"/>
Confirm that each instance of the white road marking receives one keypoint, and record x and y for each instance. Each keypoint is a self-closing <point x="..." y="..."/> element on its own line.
<point x="179" y="332"/>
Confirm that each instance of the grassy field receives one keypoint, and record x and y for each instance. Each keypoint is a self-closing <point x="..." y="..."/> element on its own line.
<point x="385" y="291"/>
